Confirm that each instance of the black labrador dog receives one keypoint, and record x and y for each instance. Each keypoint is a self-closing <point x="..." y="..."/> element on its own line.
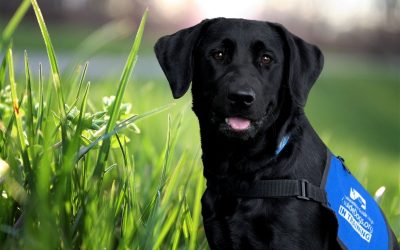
<point x="250" y="82"/>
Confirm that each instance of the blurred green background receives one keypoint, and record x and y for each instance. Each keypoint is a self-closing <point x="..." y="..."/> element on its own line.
<point x="354" y="106"/>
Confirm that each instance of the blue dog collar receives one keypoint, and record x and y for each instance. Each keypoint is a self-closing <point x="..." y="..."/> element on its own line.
<point x="282" y="144"/>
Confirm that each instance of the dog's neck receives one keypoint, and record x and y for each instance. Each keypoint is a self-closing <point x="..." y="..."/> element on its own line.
<point x="257" y="159"/>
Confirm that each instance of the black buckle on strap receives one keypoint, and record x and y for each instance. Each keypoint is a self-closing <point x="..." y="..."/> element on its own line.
<point x="303" y="189"/>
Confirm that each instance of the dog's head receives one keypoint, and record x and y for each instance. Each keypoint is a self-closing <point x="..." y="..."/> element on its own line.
<point x="243" y="72"/>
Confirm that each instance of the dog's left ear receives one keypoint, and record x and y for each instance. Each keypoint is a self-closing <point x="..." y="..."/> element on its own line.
<point x="304" y="64"/>
<point x="175" y="55"/>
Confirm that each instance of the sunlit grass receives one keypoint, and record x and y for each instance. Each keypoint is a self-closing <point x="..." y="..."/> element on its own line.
<point x="70" y="177"/>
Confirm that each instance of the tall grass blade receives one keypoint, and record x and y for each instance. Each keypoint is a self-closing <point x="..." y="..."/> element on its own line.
<point x="166" y="158"/>
<point x="150" y="209"/>
<point x="165" y="215"/>
<point x="83" y="75"/>
<point x="52" y="58"/>
<point x="196" y="213"/>
<point x="176" y="237"/>
<point x="14" y="97"/>
<point x="130" y="64"/>
<point x="130" y="208"/>
<point x="13" y="23"/>
<point x="168" y="223"/>
<point x="29" y="107"/>
<point x="41" y="102"/>
<point x="69" y="159"/>
<point x="3" y="71"/>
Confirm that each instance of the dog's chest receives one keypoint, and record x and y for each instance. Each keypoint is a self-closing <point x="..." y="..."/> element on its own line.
<point x="261" y="223"/>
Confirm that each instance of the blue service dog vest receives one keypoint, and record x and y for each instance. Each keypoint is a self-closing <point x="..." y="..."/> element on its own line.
<point x="362" y="224"/>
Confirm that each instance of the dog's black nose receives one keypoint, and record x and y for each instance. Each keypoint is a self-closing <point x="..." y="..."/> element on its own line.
<point x="242" y="97"/>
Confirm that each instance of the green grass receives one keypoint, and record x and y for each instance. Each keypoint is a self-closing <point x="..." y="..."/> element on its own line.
<point x="69" y="175"/>
<point x="80" y="169"/>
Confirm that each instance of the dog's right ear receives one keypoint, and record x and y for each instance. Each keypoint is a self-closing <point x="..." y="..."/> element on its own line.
<point x="175" y="55"/>
<point x="305" y="63"/>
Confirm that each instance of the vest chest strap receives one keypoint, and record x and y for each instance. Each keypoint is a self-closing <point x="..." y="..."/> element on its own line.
<point x="300" y="189"/>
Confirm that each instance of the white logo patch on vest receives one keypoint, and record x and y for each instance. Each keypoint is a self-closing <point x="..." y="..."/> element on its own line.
<point x="353" y="210"/>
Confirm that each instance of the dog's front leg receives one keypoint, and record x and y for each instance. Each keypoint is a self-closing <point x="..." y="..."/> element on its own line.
<point x="216" y="229"/>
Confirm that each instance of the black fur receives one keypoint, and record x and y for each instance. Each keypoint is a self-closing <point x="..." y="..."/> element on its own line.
<point x="270" y="95"/>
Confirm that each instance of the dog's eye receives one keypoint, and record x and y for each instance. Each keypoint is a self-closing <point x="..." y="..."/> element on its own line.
<point x="218" y="55"/>
<point x="265" y="60"/>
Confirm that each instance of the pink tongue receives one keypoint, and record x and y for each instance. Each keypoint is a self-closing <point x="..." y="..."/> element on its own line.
<point x="238" y="123"/>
